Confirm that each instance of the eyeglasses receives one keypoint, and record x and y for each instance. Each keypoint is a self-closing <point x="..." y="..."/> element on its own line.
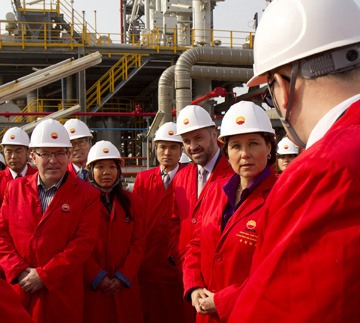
<point x="60" y="155"/>
<point x="267" y="96"/>
<point x="81" y="142"/>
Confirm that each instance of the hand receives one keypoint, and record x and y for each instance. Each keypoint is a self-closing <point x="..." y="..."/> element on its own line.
<point x="196" y="296"/>
<point x="114" y="287"/>
<point x="23" y="274"/>
<point x="207" y="304"/>
<point x="32" y="282"/>
<point x="105" y="284"/>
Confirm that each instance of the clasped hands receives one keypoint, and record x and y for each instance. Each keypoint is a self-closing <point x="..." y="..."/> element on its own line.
<point x="29" y="280"/>
<point x="203" y="301"/>
<point x="111" y="285"/>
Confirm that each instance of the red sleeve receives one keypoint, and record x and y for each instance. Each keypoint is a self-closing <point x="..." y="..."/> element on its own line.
<point x="10" y="261"/>
<point x="225" y="300"/>
<point x="11" y="310"/>
<point x="309" y="257"/>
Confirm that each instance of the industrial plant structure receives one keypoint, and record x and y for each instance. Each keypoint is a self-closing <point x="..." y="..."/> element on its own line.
<point x="124" y="85"/>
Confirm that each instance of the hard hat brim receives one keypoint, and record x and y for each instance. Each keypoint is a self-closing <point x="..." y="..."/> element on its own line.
<point x="257" y="80"/>
<point x="193" y="129"/>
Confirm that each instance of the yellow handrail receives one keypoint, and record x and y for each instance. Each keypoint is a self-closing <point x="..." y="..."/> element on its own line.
<point x="80" y="33"/>
<point x="106" y="83"/>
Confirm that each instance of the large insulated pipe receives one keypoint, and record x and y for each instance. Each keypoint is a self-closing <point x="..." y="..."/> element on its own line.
<point x="166" y="94"/>
<point x="222" y="56"/>
<point x="202" y="21"/>
<point x="183" y="29"/>
<point x="217" y="73"/>
<point x="147" y="14"/>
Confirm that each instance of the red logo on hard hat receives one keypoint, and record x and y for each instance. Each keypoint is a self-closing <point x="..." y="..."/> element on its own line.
<point x="106" y="150"/>
<point x="171" y="133"/>
<point x="286" y="147"/>
<point x="54" y="135"/>
<point x="72" y="130"/>
<point x="12" y="137"/>
<point x="186" y="121"/>
<point x="240" y="120"/>
<point x="251" y="225"/>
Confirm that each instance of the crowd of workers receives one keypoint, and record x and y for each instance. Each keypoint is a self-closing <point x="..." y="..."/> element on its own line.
<point x="250" y="231"/>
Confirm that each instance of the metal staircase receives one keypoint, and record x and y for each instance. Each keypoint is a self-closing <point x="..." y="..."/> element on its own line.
<point x="40" y="21"/>
<point x="114" y="80"/>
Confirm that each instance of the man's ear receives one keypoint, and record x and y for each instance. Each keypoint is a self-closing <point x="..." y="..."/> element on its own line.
<point x="282" y="97"/>
<point x="32" y="156"/>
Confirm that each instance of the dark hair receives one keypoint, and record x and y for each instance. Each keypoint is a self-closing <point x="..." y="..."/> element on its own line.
<point x="123" y="199"/>
<point x="269" y="139"/>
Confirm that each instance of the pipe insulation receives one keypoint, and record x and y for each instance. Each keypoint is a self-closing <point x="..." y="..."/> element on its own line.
<point x="221" y="56"/>
<point x="166" y="93"/>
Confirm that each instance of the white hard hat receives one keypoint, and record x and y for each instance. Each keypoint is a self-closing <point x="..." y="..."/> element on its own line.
<point x="2" y="159"/>
<point x="102" y="150"/>
<point x="287" y="147"/>
<point x="193" y="117"/>
<point x="15" y="136"/>
<point x="50" y="133"/>
<point x="244" y="117"/>
<point x="77" y="129"/>
<point x="184" y="159"/>
<point x="293" y="29"/>
<point x="167" y="132"/>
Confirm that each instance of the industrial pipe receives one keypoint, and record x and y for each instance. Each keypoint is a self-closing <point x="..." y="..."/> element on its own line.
<point x="166" y="92"/>
<point x="47" y="75"/>
<point x="183" y="67"/>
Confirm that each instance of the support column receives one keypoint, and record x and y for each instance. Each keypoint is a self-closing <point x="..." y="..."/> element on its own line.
<point x="82" y="86"/>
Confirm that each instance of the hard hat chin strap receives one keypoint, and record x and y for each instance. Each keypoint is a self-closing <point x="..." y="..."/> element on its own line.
<point x="285" y="120"/>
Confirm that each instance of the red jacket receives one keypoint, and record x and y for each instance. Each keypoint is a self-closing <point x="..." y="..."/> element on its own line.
<point x="119" y="252"/>
<point x="160" y="282"/>
<point x="11" y="310"/>
<point x="158" y="205"/>
<point x="71" y="169"/>
<point x="56" y="243"/>
<point x="187" y="203"/>
<point x="220" y="261"/>
<point x="6" y="177"/>
<point x="307" y="263"/>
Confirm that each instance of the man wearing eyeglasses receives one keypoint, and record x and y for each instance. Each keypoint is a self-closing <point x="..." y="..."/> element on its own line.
<point x="307" y="260"/>
<point x="15" y="145"/>
<point x="48" y="227"/>
<point x="80" y="137"/>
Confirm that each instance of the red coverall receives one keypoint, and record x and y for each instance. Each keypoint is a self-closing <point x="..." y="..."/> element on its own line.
<point x="187" y="203"/>
<point x="160" y="282"/>
<point x="6" y="177"/>
<point x="120" y="248"/>
<point x="56" y="243"/>
<point x="11" y="310"/>
<point x="220" y="261"/>
<point x="306" y="266"/>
